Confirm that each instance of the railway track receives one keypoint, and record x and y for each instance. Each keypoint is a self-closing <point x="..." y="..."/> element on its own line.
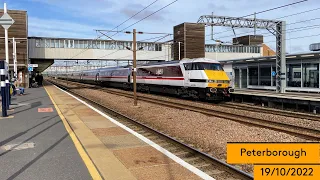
<point x="295" y="130"/>
<point x="206" y="163"/>
<point x="272" y="111"/>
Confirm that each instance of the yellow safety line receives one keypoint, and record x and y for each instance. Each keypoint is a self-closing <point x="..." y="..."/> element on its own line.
<point x="92" y="169"/>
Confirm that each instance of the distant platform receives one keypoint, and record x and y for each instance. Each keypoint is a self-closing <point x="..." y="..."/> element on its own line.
<point x="268" y="97"/>
<point x="288" y="95"/>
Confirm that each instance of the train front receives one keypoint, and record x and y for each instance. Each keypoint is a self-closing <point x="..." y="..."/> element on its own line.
<point x="218" y="81"/>
<point x="208" y="76"/>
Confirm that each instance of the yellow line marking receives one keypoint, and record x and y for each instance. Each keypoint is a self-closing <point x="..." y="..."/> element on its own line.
<point x="86" y="159"/>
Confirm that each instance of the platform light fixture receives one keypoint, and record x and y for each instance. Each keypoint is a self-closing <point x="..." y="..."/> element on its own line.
<point x="307" y="55"/>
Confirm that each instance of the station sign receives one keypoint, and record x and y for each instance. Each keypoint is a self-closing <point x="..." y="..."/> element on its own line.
<point x="30" y="68"/>
<point x="274" y="73"/>
<point x="6" y="21"/>
<point x="33" y="65"/>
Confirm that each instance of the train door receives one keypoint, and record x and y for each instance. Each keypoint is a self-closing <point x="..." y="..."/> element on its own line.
<point x="187" y="74"/>
<point x="130" y="74"/>
<point x="187" y="78"/>
<point x="97" y="77"/>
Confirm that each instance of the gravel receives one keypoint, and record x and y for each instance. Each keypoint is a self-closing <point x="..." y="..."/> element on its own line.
<point x="211" y="134"/>
<point x="288" y="120"/>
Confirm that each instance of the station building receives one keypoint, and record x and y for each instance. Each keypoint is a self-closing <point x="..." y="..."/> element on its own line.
<point x="259" y="72"/>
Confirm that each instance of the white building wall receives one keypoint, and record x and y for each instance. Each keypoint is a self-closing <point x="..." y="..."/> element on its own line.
<point x="49" y="51"/>
<point x="227" y="56"/>
<point x="60" y="53"/>
<point x="78" y="53"/>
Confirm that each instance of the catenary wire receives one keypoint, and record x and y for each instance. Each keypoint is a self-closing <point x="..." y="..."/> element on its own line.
<point x="118" y="26"/>
<point x="276" y="18"/>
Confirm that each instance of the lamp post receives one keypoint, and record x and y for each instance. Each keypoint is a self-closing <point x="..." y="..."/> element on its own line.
<point x="134" y="69"/>
<point x="179" y="50"/>
<point x="217" y="43"/>
<point x="67" y="72"/>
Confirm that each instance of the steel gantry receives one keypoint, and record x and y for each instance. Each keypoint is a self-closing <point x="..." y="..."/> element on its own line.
<point x="277" y="28"/>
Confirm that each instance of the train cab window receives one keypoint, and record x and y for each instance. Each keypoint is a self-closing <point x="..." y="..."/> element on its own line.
<point x="188" y="66"/>
<point x="193" y="66"/>
<point x="203" y="66"/>
<point x="196" y="66"/>
<point x="212" y="66"/>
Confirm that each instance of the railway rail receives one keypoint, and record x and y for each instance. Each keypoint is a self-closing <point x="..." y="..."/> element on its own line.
<point x="299" y="131"/>
<point x="288" y="128"/>
<point x="214" y="167"/>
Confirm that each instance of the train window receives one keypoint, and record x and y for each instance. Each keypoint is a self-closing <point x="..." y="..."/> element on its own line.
<point x="196" y="66"/>
<point x="38" y="43"/>
<point x="188" y="66"/>
<point x="158" y="47"/>
<point x="192" y="66"/>
<point x="203" y="66"/>
<point x="212" y="66"/>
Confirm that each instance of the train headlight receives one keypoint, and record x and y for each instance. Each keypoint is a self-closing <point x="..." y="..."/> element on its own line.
<point x="211" y="81"/>
<point x="213" y="90"/>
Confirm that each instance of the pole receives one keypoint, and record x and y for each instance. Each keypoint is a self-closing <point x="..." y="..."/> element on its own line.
<point x="15" y="69"/>
<point x="255" y="25"/>
<point x="67" y="72"/>
<point x="212" y="27"/>
<point x="169" y="46"/>
<point x="3" y="88"/>
<point x="179" y="50"/>
<point x="6" y="37"/>
<point x="7" y="59"/>
<point x="134" y="68"/>
<point x="8" y="101"/>
<point x="216" y="51"/>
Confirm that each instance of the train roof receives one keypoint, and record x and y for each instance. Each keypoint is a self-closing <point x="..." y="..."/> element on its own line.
<point x="199" y="60"/>
<point x="207" y="60"/>
<point x="183" y="61"/>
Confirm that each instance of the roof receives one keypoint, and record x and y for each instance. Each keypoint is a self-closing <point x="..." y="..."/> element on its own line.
<point x="157" y="63"/>
<point x="199" y="60"/>
<point x="307" y="55"/>
<point x="85" y="39"/>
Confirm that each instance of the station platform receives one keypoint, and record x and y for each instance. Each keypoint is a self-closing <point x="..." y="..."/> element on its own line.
<point x="54" y="135"/>
<point x="287" y="95"/>
<point x="311" y="100"/>
<point x="34" y="143"/>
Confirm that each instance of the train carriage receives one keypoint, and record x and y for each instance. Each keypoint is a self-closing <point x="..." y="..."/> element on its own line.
<point x="199" y="78"/>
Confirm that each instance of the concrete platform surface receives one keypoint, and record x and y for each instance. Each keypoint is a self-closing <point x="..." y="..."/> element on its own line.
<point x="288" y="95"/>
<point x="117" y="154"/>
<point x="34" y="143"/>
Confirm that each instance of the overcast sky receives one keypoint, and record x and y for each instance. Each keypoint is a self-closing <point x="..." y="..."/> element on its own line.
<point x="79" y="18"/>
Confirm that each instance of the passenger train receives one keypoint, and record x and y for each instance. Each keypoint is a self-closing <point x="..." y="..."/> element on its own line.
<point x="199" y="78"/>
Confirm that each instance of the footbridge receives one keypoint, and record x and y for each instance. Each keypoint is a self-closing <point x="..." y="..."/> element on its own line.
<point x="44" y="50"/>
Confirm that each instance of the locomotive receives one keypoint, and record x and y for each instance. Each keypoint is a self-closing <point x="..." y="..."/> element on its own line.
<point x="199" y="78"/>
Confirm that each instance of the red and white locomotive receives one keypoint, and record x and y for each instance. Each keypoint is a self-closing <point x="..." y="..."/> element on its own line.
<point x="199" y="78"/>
